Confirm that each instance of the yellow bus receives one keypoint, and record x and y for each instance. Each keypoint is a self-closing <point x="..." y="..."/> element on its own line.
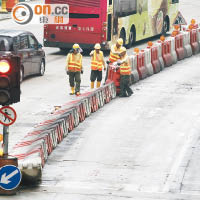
<point x="134" y="20"/>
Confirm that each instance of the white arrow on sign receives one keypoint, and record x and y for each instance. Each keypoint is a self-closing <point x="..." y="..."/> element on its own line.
<point x="5" y="179"/>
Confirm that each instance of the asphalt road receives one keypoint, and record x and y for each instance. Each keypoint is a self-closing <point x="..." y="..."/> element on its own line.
<point x="142" y="147"/>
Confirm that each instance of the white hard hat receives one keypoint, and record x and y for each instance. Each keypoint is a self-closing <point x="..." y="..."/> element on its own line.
<point x="97" y="46"/>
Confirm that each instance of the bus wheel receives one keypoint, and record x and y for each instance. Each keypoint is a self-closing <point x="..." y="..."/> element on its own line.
<point x="123" y="36"/>
<point x="131" y="39"/>
<point x="165" y="26"/>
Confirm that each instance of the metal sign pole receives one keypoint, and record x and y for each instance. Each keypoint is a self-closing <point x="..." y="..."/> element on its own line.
<point x="5" y="140"/>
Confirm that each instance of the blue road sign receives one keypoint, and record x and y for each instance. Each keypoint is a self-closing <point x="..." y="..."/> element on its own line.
<point x="10" y="177"/>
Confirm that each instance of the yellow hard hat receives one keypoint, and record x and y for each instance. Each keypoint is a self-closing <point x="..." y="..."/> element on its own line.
<point x="123" y="49"/>
<point x="76" y="46"/>
<point x="97" y="46"/>
<point x="120" y="41"/>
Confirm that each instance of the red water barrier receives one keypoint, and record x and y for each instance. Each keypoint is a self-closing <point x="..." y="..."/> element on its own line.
<point x="114" y="75"/>
<point x="194" y="40"/>
<point x="154" y="59"/>
<point x="180" y="51"/>
<point x="10" y="4"/>
<point x="166" y="53"/>
<point x="142" y="70"/>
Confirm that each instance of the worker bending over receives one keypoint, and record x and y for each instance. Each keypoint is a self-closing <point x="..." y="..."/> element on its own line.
<point x="115" y="51"/>
<point x="125" y="72"/>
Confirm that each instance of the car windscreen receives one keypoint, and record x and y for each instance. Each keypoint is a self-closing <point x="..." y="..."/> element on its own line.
<point x="6" y="43"/>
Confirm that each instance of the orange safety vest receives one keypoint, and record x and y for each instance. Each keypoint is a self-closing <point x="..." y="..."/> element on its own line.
<point x="97" y="61"/>
<point x="113" y="57"/>
<point x="74" y="65"/>
<point x="125" y="68"/>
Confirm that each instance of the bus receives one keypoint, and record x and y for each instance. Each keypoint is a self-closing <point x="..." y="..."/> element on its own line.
<point x="104" y="21"/>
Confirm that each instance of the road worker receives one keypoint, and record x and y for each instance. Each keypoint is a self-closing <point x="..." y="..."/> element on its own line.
<point x="74" y="68"/>
<point x="114" y="53"/>
<point x="116" y="50"/>
<point x="97" y="62"/>
<point x="125" y="72"/>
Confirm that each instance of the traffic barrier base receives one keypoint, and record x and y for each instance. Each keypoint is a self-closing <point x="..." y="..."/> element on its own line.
<point x="173" y="50"/>
<point x="147" y="61"/>
<point x="166" y="53"/>
<point x="134" y="73"/>
<point x="194" y="41"/>
<point x="160" y="58"/>
<point x="186" y="44"/>
<point x="142" y="70"/>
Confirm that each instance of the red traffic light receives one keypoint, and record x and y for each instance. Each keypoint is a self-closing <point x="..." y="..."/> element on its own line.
<point x="4" y="66"/>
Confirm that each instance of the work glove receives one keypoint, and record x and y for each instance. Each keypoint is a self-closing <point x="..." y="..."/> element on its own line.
<point x="81" y="71"/>
<point x="67" y="72"/>
<point x="118" y="63"/>
<point x="104" y="69"/>
<point x="108" y="62"/>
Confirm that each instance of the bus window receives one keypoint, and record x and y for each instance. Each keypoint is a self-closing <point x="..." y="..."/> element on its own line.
<point x="124" y="8"/>
<point x="110" y="2"/>
<point x="82" y="16"/>
<point x="142" y="6"/>
<point x="175" y="1"/>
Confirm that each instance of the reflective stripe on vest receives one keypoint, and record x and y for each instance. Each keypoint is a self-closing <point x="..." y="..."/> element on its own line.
<point x="113" y="57"/>
<point x="74" y="66"/>
<point x="96" y="63"/>
<point x="125" y="69"/>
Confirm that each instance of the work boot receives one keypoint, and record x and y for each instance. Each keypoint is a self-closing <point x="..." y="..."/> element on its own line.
<point x="78" y="93"/>
<point x="98" y="84"/>
<point x="123" y="95"/>
<point x="72" y="91"/>
<point x="92" y="85"/>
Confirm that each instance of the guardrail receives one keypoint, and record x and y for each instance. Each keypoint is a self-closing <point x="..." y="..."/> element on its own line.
<point x="33" y="151"/>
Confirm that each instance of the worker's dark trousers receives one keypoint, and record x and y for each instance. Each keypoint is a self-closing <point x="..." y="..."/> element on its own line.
<point x="125" y="90"/>
<point x="95" y="74"/>
<point x="75" y="80"/>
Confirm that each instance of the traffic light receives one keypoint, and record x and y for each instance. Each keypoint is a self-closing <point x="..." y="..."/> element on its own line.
<point x="9" y="79"/>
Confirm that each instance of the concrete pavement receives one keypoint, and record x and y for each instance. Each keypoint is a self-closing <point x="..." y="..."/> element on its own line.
<point x="4" y="16"/>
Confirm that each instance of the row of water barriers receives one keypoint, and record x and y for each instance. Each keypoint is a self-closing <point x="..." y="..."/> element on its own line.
<point x="34" y="149"/>
<point x="161" y="54"/>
